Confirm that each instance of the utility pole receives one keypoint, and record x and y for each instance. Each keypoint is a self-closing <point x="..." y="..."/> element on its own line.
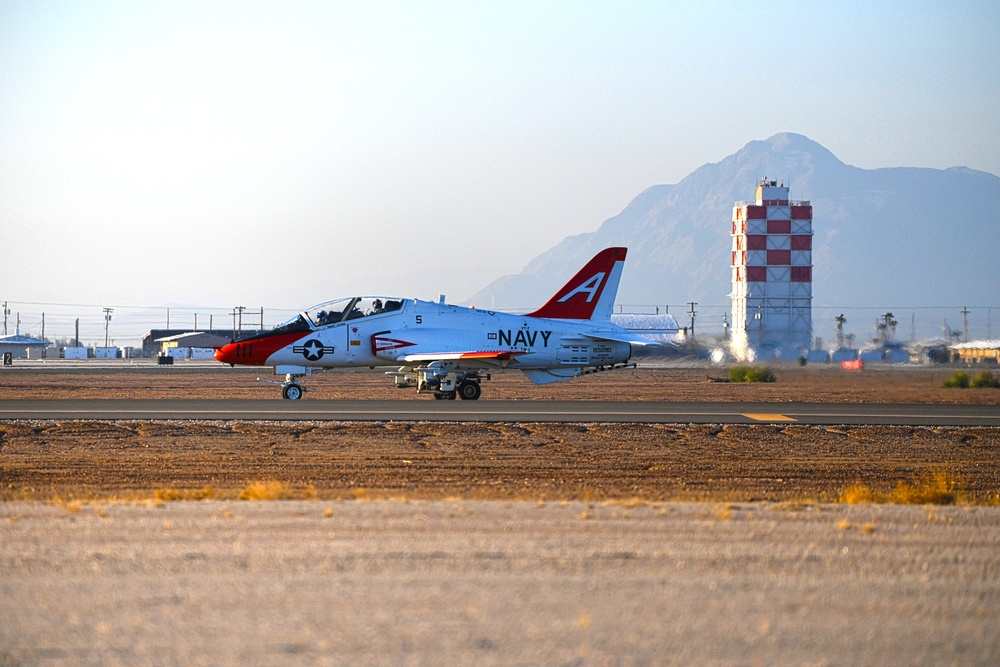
<point x="237" y="310"/>
<point x="965" y="324"/>
<point x="6" y="312"/>
<point x="692" y="313"/>
<point x="107" y="322"/>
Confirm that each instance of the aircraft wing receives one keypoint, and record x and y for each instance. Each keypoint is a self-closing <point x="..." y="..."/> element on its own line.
<point x="622" y="336"/>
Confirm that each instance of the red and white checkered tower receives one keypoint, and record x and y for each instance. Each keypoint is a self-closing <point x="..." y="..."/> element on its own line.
<point x="772" y="275"/>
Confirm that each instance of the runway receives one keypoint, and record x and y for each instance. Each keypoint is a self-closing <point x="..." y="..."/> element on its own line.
<point x="866" y="414"/>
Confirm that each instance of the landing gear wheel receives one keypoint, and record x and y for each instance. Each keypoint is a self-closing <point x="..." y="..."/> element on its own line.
<point x="469" y="391"/>
<point x="292" y="392"/>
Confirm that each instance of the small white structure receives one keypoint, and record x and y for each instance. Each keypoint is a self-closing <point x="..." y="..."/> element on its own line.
<point x="78" y="352"/>
<point x="105" y="353"/>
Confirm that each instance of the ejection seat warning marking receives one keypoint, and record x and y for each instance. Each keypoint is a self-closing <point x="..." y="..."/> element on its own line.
<point x="764" y="417"/>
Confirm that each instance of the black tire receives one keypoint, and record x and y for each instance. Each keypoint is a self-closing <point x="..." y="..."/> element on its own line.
<point x="292" y="392"/>
<point x="469" y="391"/>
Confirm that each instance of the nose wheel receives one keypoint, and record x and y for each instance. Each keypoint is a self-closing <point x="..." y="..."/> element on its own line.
<point x="290" y="388"/>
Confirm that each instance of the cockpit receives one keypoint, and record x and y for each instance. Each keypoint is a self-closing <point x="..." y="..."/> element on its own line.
<point x="340" y="310"/>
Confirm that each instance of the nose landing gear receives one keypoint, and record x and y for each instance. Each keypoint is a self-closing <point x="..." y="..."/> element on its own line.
<point x="290" y="388"/>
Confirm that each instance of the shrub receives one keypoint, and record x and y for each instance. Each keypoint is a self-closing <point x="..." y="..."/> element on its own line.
<point x="750" y="374"/>
<point x="960" y="379"/>
<point x="986" y="380"/>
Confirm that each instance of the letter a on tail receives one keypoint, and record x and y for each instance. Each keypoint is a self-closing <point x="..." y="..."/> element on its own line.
<point x="590" y="294"/>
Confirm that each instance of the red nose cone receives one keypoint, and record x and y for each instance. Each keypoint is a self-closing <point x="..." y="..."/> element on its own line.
<point x="255" y="351"/>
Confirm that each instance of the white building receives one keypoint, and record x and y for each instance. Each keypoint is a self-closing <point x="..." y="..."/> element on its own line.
<point x="772" y="275"/>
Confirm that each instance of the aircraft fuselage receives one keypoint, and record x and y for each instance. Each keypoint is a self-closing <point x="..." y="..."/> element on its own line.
<point x="472" y="338"/>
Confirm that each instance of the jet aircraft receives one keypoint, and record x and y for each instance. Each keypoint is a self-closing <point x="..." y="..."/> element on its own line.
<point x="448" y="350"/>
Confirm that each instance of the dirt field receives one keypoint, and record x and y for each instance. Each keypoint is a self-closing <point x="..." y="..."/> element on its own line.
<point x="428" y="561"/>
<point x="128" y="459"/>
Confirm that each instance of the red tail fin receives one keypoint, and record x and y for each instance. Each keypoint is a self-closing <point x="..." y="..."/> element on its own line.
<point x="590" y="294"/>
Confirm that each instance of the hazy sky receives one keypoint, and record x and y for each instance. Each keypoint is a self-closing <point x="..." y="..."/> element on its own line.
<point x="281" y="154"/>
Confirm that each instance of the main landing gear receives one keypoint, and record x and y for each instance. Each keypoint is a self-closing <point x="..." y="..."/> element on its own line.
<point x="467" y="390"/>
<point x="443" y="379"/>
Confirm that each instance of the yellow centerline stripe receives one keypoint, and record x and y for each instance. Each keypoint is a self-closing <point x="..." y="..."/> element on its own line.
<point x="764" y="417"/>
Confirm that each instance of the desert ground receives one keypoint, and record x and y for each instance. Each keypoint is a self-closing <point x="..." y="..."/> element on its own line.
<point x="129" y="542"/>
<point x="498" y="583"/>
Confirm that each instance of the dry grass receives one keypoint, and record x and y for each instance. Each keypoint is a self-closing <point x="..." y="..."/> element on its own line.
<point x="934" y="488"/>
<point x="938" y="488"/>
<point x="857" y="494"/>
<point x="205" y="493"/>
<point x="276" y="491"/>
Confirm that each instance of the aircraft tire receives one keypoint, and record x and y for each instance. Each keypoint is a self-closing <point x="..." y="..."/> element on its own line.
<point x="469" y="391"/>
<point x="292" y="392"/>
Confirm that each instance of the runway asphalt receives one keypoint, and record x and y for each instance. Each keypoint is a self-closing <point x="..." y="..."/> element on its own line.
<point x="507" y="411"/>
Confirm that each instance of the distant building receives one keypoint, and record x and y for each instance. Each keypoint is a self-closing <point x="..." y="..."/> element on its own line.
<point x="22" y="347"/>
<point x="192" y="345"/>
<point x="977" y="352"/>
<point x="771" y="275"/>
<point x="151" y="346"/>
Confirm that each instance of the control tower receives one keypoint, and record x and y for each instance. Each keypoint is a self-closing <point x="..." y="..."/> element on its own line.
<point x="772" y="275"/>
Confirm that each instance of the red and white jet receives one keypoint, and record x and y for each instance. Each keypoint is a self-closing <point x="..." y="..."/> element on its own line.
<point x="448" y="350"/>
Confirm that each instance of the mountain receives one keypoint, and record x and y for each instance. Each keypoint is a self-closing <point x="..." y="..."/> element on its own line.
<point x="883" y="238"/>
